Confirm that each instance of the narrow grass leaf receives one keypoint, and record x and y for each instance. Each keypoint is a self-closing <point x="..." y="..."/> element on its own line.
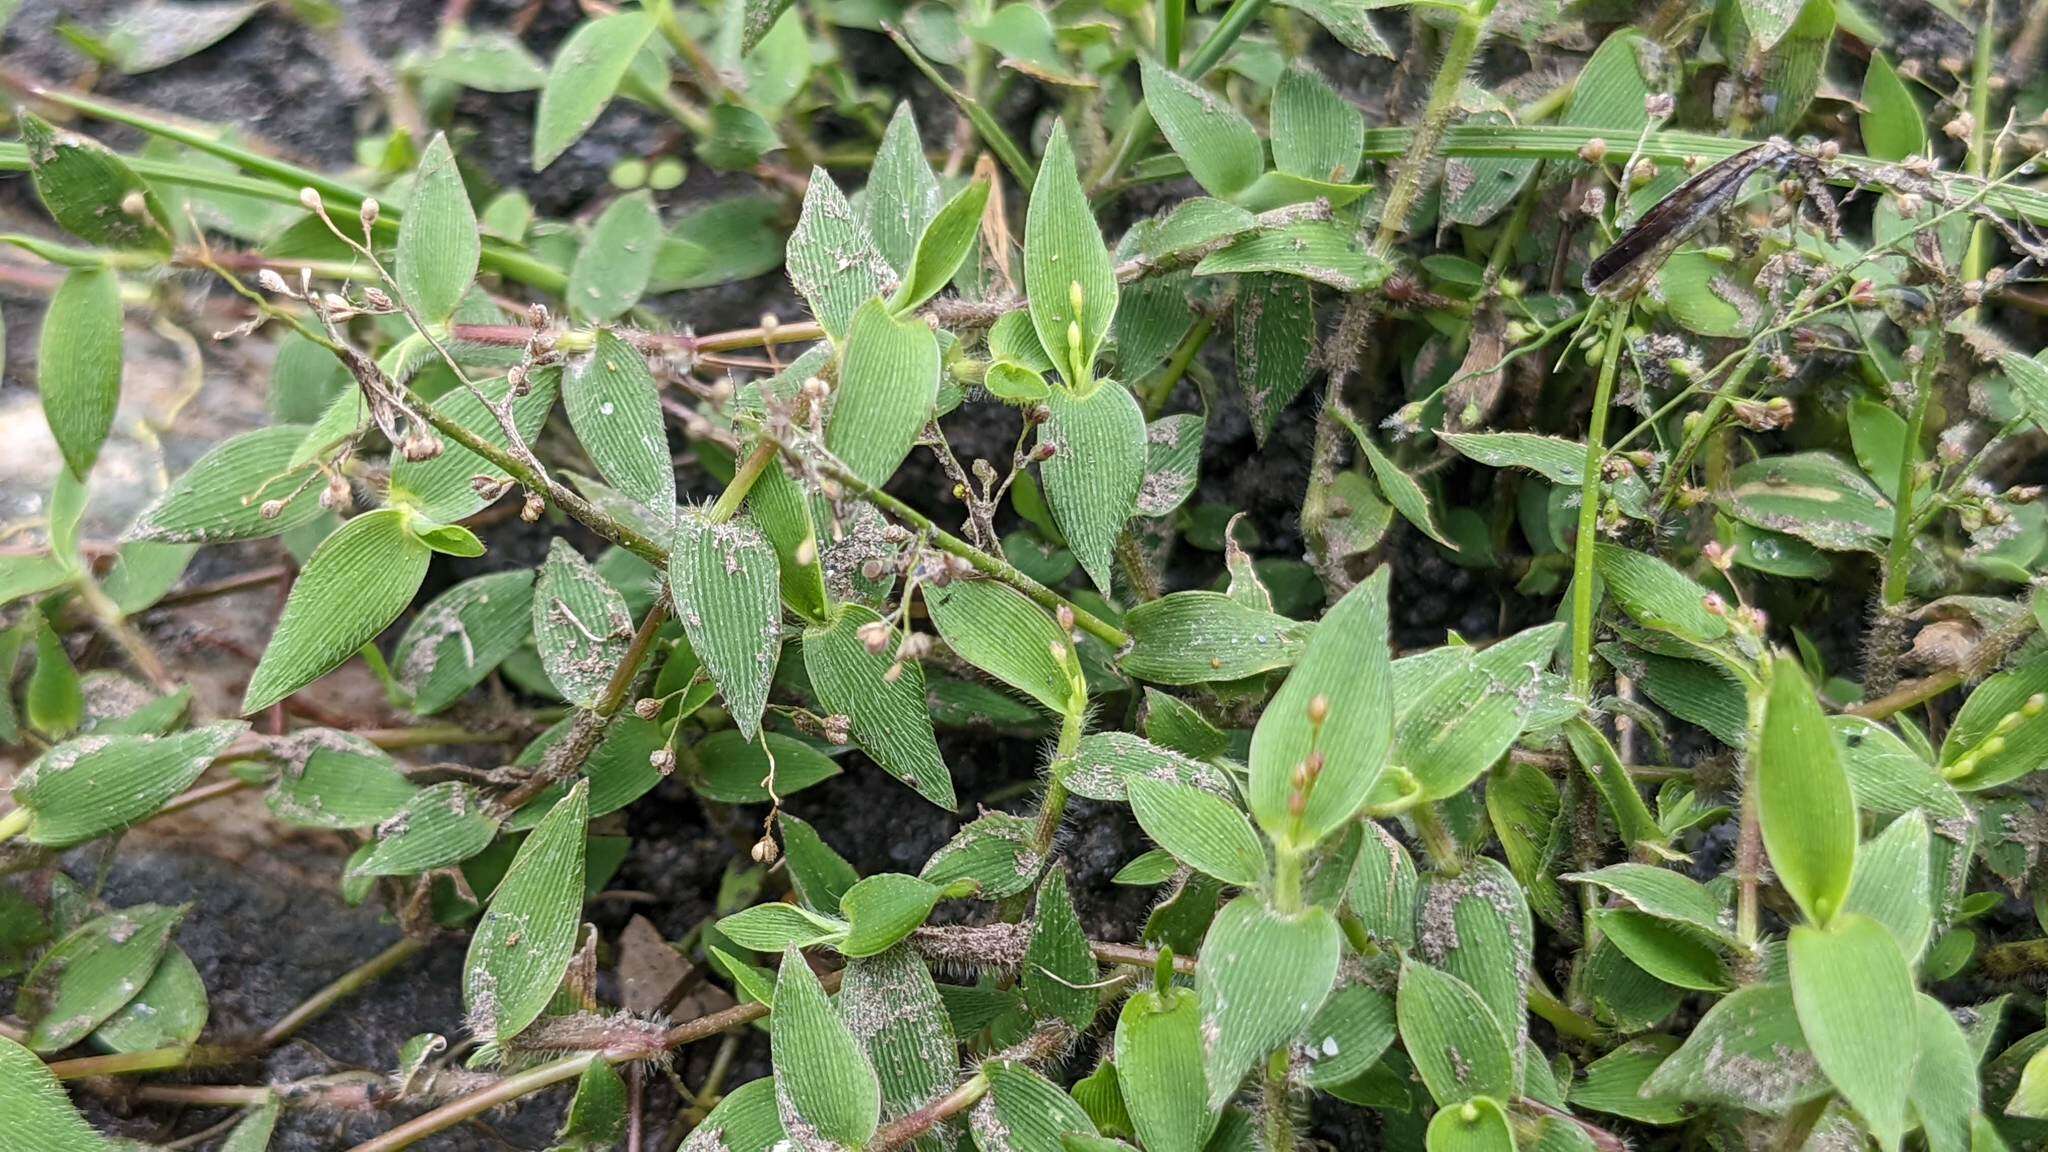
<point x="1401" y="489"/>
<point x="888" y="716"/>
<point x="1336" y="704"/>
<point x="1856" y="1003"/>
<point x="725" y="579"/>
<point x="1555" y="459"/>
<point x="352" y="587"/>
<point x="521" y="947"/>
<point x="78" y="364"/>
<point x="1806" y="809"/>
<point x="1263" y="974"/>
<point x="821" y="1072"/>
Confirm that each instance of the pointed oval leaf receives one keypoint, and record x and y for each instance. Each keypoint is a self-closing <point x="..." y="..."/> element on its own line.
<point x="580" y="625"/>
<point x="1218" y="143"/>
<point x="78" y="364"/>
<point x="1475" y="1125"/>
<point x="615" y="408"/>
<point x="464" y="633"/>
<point x="1059" y="971"/>
<point x="169" y="1012"/>
<point x="438" y="242"/>
<point x="91" y="973"/>
<point x="443" y="489"/>
<point x="1658" y="595"/>
<point x="1857" y="1008"/>
<point x="1208" y="637"/>
<point x="1096" y="470"/>
<point x="522" y="946"/>
<point x="583" y="79"/>
<point x="612" y="267"/>
<point x="725" y="580"/>
<point x="1066" y="263"/>
<point x="1105" y="763"/>
<point x="331" y="779"/>
<point x="882" y="909"/>
<point x="2001" y="732"/>
<point x="889" y="717"/>
<point x="945" y="244"/>
<point x="222" y="495"/>
<point x="1261" y="978"/>
<point x="31" y="1098"/>
<point x="1202" y="831"/>
<point x="1159" y="1065"/>
<point x="1747" y="1052"/>
<point x="733" y="769"/>
<point x="352" y="587"/>
<point x="745" y="1120"/>
<point x="1025" y="1112"/>
<point x="443" y="824"/>
<point x="1893" y="884"/>
<point x="1317" y="134"/>
<point x="1346" y="668"/>
<point x="90" y="190"/>
<point x="94" y="785"/>
<point x="1807" y="811"/>
<point x="888" y="388"/>
<point x="774" y="926"/>
<point x="821" y="1072"/>
<point x="1458" y="1048"/>
<point x="998" y="630"/>
<point x="832" y="260"/>
<point x="891" y="1005"/>
<point x="902" y="195"/>
<point x="1477" y="927"/>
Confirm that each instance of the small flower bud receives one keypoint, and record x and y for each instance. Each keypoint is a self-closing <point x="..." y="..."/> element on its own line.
<point x="272" y="509"/>
<point x="872" y="569"/>
<point x="1318" y="709"/>
<point x="368" y="213"/>
<point x="376" y="298"/>
<point x="647" y="707"/>
<point x="894" y="673"/>
<point x="1065" y="616"/>
<point x="1046" y="450"/>
<point x="1714" y="604"/>
<point x="806" y="553"/>
<point x="309" y="199"/>
<point x="1076" y="298"/>
<point x="268" y="280"/>
<point x="135" y="204"/>
<point x="875" y="636"/>
<point x="663" y="760"/>
<point x="1593" y="151"/>
<point x="2034" y="705"/>
<point x="531" y="510"/>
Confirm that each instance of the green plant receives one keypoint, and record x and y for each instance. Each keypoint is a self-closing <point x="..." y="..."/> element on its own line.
<point x="1651" y="864"/>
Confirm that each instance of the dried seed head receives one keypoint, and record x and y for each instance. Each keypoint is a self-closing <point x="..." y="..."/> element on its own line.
<point x="489" y="488"/>
<point x="1065" y="616"/>
<point x="1318" y="709"/>
<point x="875" y="635"/>
<point x="894" y="673"/>
<point x="377" y="298"/>
<point x="272" y="509"/>
<point x="336" y="496"/>
<point x="1593" y="151"/>
<point x="309" y="199"/>
<point x="532" y="509"/>
<point x="1046" y="450"/>
<point x="806" y="553"/>
<point x="135" y="204"/>
<point x="647" y="707"/>
<point x="268" y="280"/>
<point x="368" y="213"/>
<point x="765" y="851"/>
<point x="663" y="760"/>
<point x="1660" y="105"/>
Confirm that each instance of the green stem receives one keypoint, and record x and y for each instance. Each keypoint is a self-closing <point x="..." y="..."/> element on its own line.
<point x="1159" y="388"/>
<point x="1287" y="869"/>
<point x="1437" y="841"/>
<point x="1436" y="117"/>
<point x="1589" y="510"/>
<point x="477" y="1103"/>
<point x="1898" y="555"/>
<point x="1977" y="258"/>
<point x="1173" y="15"/>
<point x="1054" y="806"/>
<point x="1543" y="1002"/>
<point x="735" y="493"/>
<point x="15" y="823"/>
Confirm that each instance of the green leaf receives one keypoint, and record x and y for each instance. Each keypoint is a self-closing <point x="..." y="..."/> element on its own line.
<point x="615" y="408"/>
<point x="1856" y="1004"/>
<point x="1556" y="460"/>
<point x="1262" y="976"/>
<point x="889" y="718"/>
<point x="438" y="242"/>
<point x="1317" y="250"/>
<point x="1814" y="496"/>
<point x="55" y="702"/>
<point x="144" y="572"/>
<point x="92" y="973"/>
<point x="1104" y="764"/>
<point x="892" y="1006"/>
<point x="1207" y="637"/>
<point x="1664" y="894"/>
<point x="1893" y="125"/>
<point x="833" y="261"/>
<point x="882" y="909"/>
<point x="2001" y="733"/>
<point x="1096" y="470"/>
<point x="1613" y="1083"/>
<point x="1672" y="953"/>
<point x="820" y="1069"/>
<point x="597" y="1113"/>
<point x="1202" y="831"/>
<point x="32" y="1099"/>
<point x="584" y="77"/>
<point x="996" y="850"/>
<point x="620" y="771"/>
<point x="1462" y="723"/>
<point x="998" y="630"/>
<point x="459" y="637"/>
<point x="774" y="926"/>
<point x="169" y="1012"/>
<point x="1478" y="1124"/>
<point x="1159" y="1065"/>
<point x="1893" y="886"/>
<point x="78" y="364"/>
<point x="443" y="824"/>
<point x="1069" y="279"/>
<point x="1658" y="595"/>
<point x="818" y="875"/>
<point x="1399" y="488"/>
<point x="25" y="575"/>
<point x="1059" y="973"/>
<point x="221" y="496"/>
<point x="1476" y="926"/>
<point x="1806" y="809"/>
<point x="488" y="61"/>
<point x="94" y="785"/>
<point x="91" y="192"/>
<point x="1348" y="1036"/>
<point x="352" y="587"/>
<point x="943" y="247"/>
<point x="781" y="506"/>
<point x="1275" y="323"/>
<point x="521" y="947"/>
<point x="745" y="1120"/>
<point x="1336" y="704"/>
<point x="720" y="241"/>
<point x="902" y="196"/>
<point x="443" y="489"/>
<point x="733" y="768"/>
<point x="1025" y="1112"/>
<point x="1218" y="143"/>
<point x="1747" y="1052"/>
<point x="613" y="266"/>
<point x="1383" y="887"/>
<point x="1945" y="1088"/>
<point x="725" y="581"/>
<point x="888" y="388"/>
<point x="332" y="779"/>
<point x="1887" y="776"/>
<point x="1440" y="1015"/>
<point x="580" y="625"/>
<point x="1317" y="134"/>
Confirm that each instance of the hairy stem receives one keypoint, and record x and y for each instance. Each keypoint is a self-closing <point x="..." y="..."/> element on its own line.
<point x="1589" y="510"/>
